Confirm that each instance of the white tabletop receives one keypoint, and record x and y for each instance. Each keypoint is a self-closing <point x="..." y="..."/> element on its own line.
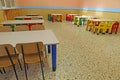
<point x="73" y="14"/>
<point x="84" y="16"/>
<point x="29" y="16"/>
<point x="56" y="14"/>
<point x="103" y="20"/>
<point x="46" y="36"/>
<point x="22" y="21"/>
<point x="32" y="14"/>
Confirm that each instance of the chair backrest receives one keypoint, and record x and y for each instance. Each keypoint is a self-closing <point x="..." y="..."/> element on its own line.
<point x="96" y="23"/>
<point x="29" y="48"/>
<point x="7" y="55"/>
<point x="5" y="29"/>
<point x="109" y="24"/>
<point x="103" y="24"/>
<point x="27" y="18"/>
<point x="21" y="28"/>
<point x="3" y="51"/>
<point x="115" y="25"/>
<point x="37" y="27"/>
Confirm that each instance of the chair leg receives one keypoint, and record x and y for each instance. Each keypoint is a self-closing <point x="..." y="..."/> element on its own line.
<point x="45" y="51"/>
<point x="41" y="63"/>
<point x="19" y="64"/>
<point x="15" y="71"/>
<point x="24" y="62"/>
<point x="25" y="71"/>
<point x="4" y="70"/>
<point x="13" y="65"/>
<point x="26" y="65"/>
<point x="1" y="71"/>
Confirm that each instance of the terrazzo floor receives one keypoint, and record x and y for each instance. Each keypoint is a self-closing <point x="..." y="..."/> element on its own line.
<point x="81" y="55"/>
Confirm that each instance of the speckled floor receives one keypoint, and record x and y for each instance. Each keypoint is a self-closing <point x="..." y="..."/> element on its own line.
<point x="81" y="55"/>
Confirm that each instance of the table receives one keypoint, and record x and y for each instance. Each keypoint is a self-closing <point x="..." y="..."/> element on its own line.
<point x="57" y="17"/>
<point x="81" y="20"/>
<point x="101" y="20"/>
<point x="70" y="17"/>
<point x="32" y="14"/>
<point x="46" y="36"/>
<point x="27" y="17"/>
<point x="22" y="21"/>
<point x="13" y="23"/>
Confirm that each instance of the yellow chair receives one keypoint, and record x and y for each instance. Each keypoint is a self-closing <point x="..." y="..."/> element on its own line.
<point x="8" y="57"/>
<point x="89" y="25"/>
<point x="21" y="28"/>
<point x="109" y="26"/>
<point x="78" y="21"/>
<point x="37" y="27"/>
<point x="95" y="27"/>
<point x="58" y="18"/>
<point x="5" y="29"/>
<point x="73" y="18"/>
<point x="102" y="27"/>
<point x="32" y="53"/>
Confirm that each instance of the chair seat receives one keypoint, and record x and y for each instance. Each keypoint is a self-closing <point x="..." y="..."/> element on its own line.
<point x="33" y="58"/>
<point x="37" y="27"/>
<point x="5" y="61"/>
<point x="21" y="28"/>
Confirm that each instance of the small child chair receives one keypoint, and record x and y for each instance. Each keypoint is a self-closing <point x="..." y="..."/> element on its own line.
<point x="115" y="27"/>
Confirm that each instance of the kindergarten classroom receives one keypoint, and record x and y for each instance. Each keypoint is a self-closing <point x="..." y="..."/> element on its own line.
<point x="59" y="40"/>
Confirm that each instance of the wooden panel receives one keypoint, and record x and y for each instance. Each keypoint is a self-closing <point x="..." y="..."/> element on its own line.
<point x="42" y="12"/>
<point x="1" y="16"/>
<point x="11" y="13"/>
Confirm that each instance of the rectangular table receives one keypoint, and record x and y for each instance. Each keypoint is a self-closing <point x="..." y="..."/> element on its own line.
<point x="73" y="16"/>
<point x="22" y="21"/>
<point x="59" y="16"/>
<point x="27" y="17"/>
<point x="46" y="36"/>
<point x="81" y="20"/>
<point x="13" y="23"/>
<point x="32" y="14"/>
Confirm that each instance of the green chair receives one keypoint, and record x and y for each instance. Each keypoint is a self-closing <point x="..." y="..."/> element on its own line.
<point x="75" y="21"/>
<point x="49" y="17"/>
<point x="18" y="18"/>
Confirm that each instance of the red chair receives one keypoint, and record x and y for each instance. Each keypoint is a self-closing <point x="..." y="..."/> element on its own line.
<point x="53" y="18"/>
<point x="68" y="17"/>
<point x="27" y="18"/>
<point x="72" y="17"/>
<point x="115" y="27"/>
<point x="60" y="18"/>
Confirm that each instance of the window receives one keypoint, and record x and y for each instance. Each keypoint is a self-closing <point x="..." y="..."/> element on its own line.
<point x="8" y="3"/>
